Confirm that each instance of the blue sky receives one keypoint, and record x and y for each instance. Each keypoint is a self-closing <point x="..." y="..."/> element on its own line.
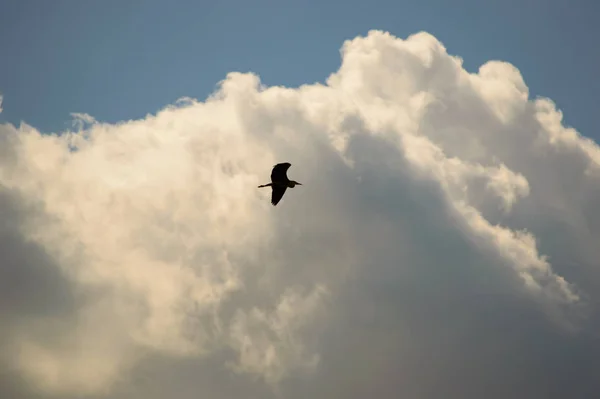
<point x="121" y="60"/>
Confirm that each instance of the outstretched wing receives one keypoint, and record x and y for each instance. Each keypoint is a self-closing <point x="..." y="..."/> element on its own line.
<point x="277" y="194"/>
<point x="278" y="174"/>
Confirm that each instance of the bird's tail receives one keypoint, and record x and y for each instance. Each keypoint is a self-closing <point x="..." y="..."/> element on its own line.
<point x="265" y="185"/>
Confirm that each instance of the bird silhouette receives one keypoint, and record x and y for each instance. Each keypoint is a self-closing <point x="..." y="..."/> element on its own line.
<point x="279" y="182"/>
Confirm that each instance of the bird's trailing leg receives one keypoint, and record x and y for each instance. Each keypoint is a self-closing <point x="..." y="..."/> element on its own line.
<point x="266" y="185"/>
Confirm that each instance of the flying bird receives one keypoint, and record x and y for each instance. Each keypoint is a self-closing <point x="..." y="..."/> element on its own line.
<point x="279" y="182"/>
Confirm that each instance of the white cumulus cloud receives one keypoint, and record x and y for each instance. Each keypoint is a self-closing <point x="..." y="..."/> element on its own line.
<point x="443" y="214"/>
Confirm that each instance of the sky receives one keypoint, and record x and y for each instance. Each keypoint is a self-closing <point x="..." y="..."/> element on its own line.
<point x="443" y="242"/>
<point x="120" y="60"/>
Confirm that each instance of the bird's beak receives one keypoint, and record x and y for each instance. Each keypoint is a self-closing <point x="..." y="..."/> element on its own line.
<point x="300" y="183"/>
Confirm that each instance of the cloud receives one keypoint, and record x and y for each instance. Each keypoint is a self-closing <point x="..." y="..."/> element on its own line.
<point x="81" y="120"/>
<point x="443" y="242"/>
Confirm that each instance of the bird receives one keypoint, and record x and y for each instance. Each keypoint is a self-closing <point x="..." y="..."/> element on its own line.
<point x="280" y="182"/>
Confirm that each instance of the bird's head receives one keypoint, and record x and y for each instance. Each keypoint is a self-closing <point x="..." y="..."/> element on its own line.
<point x="294" y="183"/>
